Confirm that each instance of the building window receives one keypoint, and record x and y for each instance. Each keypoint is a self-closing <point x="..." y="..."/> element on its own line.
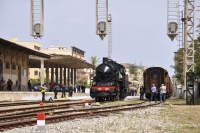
<point x="13" y="66"/>
<point x="35" y="73"/>
<point x="7" y="65"/>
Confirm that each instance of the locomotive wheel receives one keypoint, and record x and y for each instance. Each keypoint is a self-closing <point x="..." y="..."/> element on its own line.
<point x="112" y="99"/>
<point x="96" y="99"/>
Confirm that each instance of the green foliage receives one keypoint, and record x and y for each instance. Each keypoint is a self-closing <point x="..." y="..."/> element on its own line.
<point x="133" y="69"/>
<point x="82" y="82"/>
<point x="178" y="67"/>
<point x="94" y="60"/>
<point x="197" y="58"/>
<point x="37" y="81"/>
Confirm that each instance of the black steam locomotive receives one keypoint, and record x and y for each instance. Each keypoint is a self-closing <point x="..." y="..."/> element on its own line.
<point x="110" y="82"/>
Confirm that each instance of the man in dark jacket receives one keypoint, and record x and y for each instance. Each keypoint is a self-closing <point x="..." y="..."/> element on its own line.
<point x="9" y="83"/>
<point x="63" y="92"/>
<point x="29" y="85"/>
<point x="78" y="89"/>
<point x="70" y="90"/>
<point x="55" y="92"/>
<point x="142" y="90"/>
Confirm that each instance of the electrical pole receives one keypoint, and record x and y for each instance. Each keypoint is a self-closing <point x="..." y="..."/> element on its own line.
<point x="188" y="50"/>
<point x="109" y="36"/>
<point x="185" y="42"/>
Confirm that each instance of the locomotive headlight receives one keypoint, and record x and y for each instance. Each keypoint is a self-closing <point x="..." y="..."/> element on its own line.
<point x="94" y="83"/>
<point x="112" y="83"/>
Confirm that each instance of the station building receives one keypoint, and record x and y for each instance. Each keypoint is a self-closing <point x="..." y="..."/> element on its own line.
<point x="20" y="61"/>
<point x="14" y="63"/>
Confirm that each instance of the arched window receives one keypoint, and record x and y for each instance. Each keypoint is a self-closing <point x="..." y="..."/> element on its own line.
<point x="7" y="65"/>
<point x="13" y="66"/>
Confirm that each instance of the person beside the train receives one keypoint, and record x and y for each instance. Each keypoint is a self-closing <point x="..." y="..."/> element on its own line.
<point x="162" y="93"/>
<point x="142" y="90"/>
<point x="131" y="90"/>
<point x="153" y="93"/>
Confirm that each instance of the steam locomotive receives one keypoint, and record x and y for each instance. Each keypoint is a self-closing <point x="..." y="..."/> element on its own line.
<point x="110" y="82"/>
<point x="157" y="76"/>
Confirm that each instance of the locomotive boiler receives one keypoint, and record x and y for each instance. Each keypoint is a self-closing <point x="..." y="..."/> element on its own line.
<point x="110" y="82"/>
<point x="157" y="76"/>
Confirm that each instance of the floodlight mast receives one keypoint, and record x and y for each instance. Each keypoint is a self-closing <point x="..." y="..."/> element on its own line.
<point x="172" y="18"/>
<point x="102" y="18"/>
<point x="109" y="36"/>
<point x="188" y="37"/>
<point x="37" y="18"/>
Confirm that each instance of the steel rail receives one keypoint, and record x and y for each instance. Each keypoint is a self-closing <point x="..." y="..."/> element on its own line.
<point x="36" y="107"/>
<point x="22" y="115"/>
<point x="89" y="112"/>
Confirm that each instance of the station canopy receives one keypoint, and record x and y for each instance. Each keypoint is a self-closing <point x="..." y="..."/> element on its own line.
<point x="5" y="44"/>
<point x="58" y="59"/>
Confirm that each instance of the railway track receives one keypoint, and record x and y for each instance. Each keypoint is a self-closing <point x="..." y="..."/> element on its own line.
<point x="7" y="104"/>
<point x="16" y="121"/>
<point x="35" y="109"/>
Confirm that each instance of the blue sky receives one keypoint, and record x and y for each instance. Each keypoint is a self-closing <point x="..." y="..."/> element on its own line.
<point x="139" y="28"/>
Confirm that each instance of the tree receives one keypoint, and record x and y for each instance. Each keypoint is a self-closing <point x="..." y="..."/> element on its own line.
<point x="133" y="69"/>
<point x="178" y="67"/>
<point x="82" y="82"/>
<point x="197" y="57"/>
<point x="94" y="60"/>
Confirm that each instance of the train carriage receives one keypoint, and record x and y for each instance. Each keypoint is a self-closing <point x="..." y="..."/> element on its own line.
<point x="156" y="76"/>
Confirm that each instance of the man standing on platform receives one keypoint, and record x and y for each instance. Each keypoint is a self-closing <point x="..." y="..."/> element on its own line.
<point x="29" y="85"/>
<point x="2" y="84"/>
<point x="70" y="90"/>
<point x="9" y="83"/>
<point x="43" y="92"/>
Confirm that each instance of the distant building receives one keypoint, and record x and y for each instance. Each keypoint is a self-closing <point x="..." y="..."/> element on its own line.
<point x="132" y="77"/>
<point x="34" y="73"/>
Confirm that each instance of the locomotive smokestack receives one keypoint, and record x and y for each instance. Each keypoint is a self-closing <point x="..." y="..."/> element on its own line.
<point x="105" y="59"/>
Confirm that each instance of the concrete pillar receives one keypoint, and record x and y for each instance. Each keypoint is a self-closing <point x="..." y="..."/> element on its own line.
<point x="56" y="74"/>
<point x="68" y="76"/>
<point x="47" y="75"/>
<point x="52" y="72"/>
<point x="74" y="76"/>
<point x="61" y="74"/>
<point x="65" y="76"/>
<point x="42" y="72"/>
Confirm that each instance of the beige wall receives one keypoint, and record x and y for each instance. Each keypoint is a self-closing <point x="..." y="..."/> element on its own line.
<point x="32" y="45"/>
<point x="9" y="73"/>
<point x="57" y="51"/>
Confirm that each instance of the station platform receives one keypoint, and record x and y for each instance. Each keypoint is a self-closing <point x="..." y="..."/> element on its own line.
<point x="16" y="96"/>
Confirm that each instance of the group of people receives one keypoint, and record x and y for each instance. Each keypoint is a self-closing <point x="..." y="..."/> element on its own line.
<point x="54" y="88"/>
<point x="154" y="93"/>
<point x="79" y="89"/>
<point x="3" y="83"/>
